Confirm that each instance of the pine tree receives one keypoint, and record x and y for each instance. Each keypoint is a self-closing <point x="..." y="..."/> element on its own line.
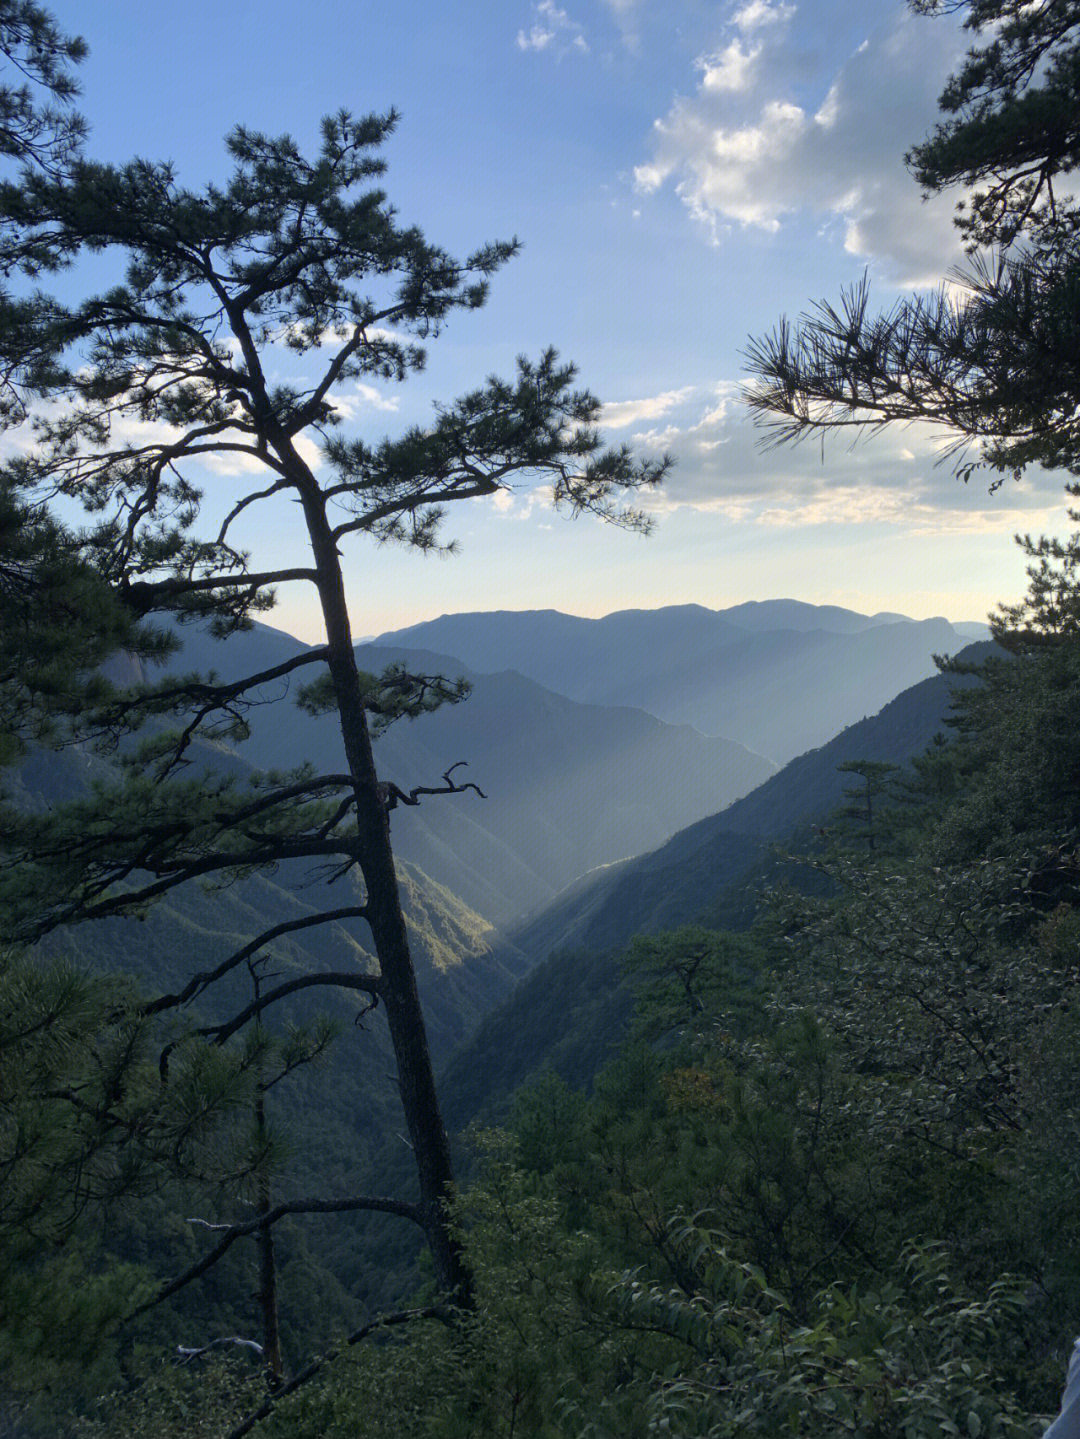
<point x="994" y="358"/>
<point x="58" y="619"/>
<point x="300" y="251"/>
<point x="865" y="801"/>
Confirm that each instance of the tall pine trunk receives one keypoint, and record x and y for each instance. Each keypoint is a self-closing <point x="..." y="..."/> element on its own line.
<point x="386" y="920"/>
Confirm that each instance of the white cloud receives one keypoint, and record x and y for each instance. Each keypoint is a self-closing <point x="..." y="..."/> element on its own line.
<point x="716" y="416"/>
<point x="630" y="412"/>
<point x="658" y="440"/>
<point x="648" y="178"/>
<point x="730" y="69"/>
<point x="522" y="504"/>
<point x="552" y="30"/>
<point x="758" y="13"/>
<point x="763" y="138"/>
<point x="362" y="397"/>
<point x="625" y="14"/>
<point x="332" y="338"/>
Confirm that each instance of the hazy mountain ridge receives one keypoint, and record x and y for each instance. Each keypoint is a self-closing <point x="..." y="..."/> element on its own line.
<point x="567" y="785"/>
<point x="558" y="757"/>
<point x="676" y="882"/>
<point x="778" y="676"/>
<point x="572" y="786"/>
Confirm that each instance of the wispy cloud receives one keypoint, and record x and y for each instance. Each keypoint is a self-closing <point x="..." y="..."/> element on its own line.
<point x="730" y="69"/>
<point x="632" y="412"/>
<point x="759" y="13"/>
<point x="350" y="404"/>
<point x="625" y="13"/>
<point x="901" y="479"/>
<point x="552" y="31"/>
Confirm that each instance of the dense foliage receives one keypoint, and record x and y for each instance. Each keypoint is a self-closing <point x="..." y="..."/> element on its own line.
<point x="828" y="1185"/>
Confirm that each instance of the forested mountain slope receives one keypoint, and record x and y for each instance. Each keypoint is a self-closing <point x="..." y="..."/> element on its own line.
<point x="337" y="1117"/>
<point x="779" y="676"/>
<point x="677" y="882"/>
<point x="464" y="965"/>
<point x="573" y="1005"/>
<point x="343" y="1116"/>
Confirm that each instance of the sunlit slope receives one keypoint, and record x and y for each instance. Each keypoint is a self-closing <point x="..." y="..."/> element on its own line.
<point x="463" y="964"/>
<point x="342" y="1114"/>
<point x="680" y="880"/>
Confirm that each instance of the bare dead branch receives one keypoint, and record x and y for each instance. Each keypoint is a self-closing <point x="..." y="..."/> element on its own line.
<point x="367" y="1203"/>
<point x="393" y="796"/>
<point x="249" y="499"/>
<point x="185" y="1355"/>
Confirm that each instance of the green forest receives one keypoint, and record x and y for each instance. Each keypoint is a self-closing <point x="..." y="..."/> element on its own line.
<point x="772" y="1132"/>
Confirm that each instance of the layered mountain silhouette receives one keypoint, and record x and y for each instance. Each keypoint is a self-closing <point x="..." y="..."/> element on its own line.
<point x="601" y="820"/>
<point x="678" y="882"/>
<point x="778" y="676"/>
<point x="567" y="785"/>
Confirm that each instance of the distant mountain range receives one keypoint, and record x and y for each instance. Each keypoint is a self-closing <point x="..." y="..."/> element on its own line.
<point x="601" y="820"/>
<point x="568" y="785"/>
<point x="779" y="676"/>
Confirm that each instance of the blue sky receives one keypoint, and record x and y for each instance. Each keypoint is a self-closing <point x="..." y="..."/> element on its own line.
<point x="680" y="176"/>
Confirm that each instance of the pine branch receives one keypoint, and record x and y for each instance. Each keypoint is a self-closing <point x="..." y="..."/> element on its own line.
<point x="384" y="1321"/>
<point x="126" y="712"/>
<point x="366" y="1203"/>
<point x="145" y="596"/>
<point x="202" y="981"/>
<point x="263" y="856"/>
<point x="365" y="983"/>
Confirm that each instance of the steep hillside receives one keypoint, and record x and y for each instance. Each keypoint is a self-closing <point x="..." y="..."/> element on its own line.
<point x="341" y="1117"/>
<point x="572" y="1008"/>
<point x="676" y="883"/>
<point x="464" y="965"/>
<point x="779" y="677"/>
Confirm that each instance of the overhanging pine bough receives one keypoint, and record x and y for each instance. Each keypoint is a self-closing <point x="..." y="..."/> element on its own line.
<point x="997" y="358"/>
<point x="292" y="251"/>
